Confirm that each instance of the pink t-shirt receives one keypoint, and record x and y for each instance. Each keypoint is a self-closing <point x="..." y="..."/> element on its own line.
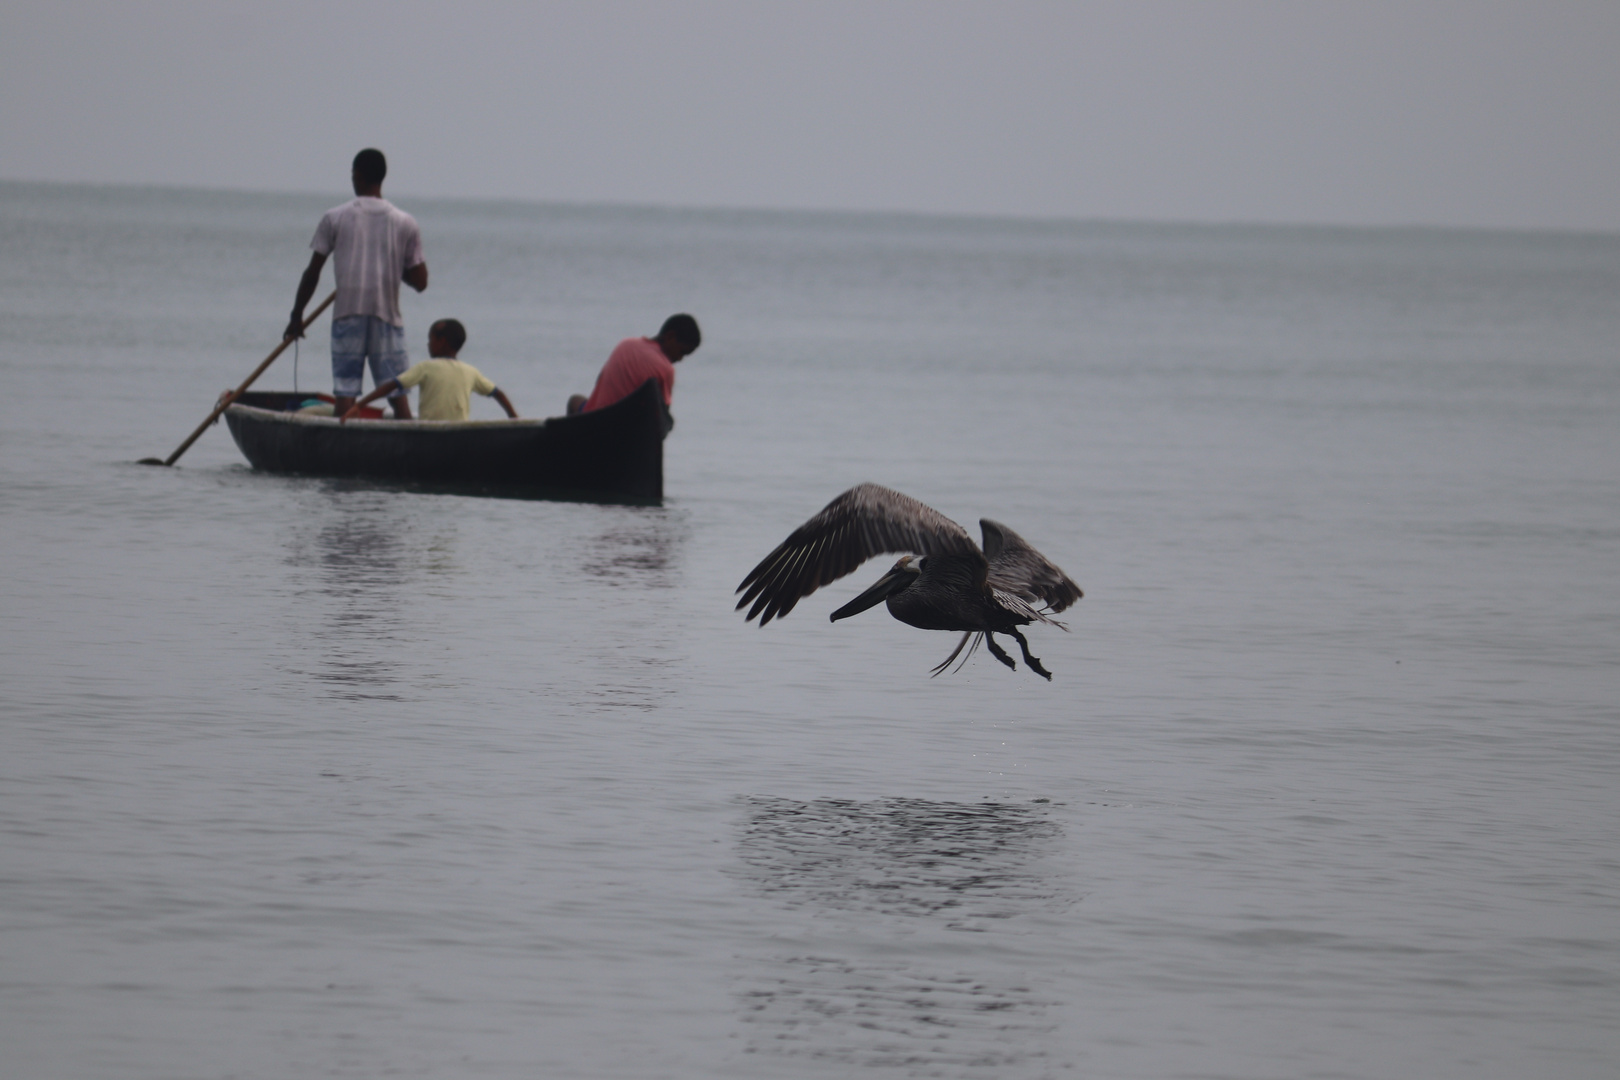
<point x="634" y="361"/>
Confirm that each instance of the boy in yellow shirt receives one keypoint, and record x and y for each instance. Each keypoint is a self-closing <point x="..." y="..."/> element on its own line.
<point x="447" y="383"/>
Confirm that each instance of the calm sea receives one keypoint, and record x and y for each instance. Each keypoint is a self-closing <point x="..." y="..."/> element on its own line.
<point x="313" y="779"/>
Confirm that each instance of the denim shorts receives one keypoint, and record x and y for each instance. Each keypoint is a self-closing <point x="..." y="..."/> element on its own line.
<point x="357" y="338"/>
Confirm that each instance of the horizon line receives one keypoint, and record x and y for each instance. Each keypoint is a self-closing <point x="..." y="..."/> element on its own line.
<point x="1003" y="217"/>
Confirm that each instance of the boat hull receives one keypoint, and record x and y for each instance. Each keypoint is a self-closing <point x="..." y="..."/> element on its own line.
<point x="616" y="452"/>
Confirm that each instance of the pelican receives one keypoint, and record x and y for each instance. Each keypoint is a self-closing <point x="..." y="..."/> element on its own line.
<point x="945" y="583"/>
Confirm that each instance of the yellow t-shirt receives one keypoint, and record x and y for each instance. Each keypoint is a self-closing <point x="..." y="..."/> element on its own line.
<point x="447" y="387"/>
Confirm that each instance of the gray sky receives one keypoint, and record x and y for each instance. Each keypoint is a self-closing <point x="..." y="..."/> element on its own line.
<point x="1429" y="111"/>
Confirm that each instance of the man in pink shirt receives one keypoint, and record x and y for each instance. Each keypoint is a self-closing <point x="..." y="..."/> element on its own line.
<point x="638" y="359"/>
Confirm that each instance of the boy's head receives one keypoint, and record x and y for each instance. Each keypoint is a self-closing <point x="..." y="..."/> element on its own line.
<point x="679" y="337"/>
<point x="370" y="167"/>
<point x="445" y="339"/>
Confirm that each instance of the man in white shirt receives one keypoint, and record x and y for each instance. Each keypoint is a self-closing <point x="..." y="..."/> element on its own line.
<point x="375" y="246"/>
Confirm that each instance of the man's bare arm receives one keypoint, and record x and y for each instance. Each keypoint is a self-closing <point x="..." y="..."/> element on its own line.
<point x="500" y="395"/>
<point x="306" y="289"/>
<point x="416" y="277"/>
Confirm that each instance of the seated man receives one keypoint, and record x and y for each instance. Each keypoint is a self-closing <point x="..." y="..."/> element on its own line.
<point x="447" y="383"/>
<point x="636" y="360"/>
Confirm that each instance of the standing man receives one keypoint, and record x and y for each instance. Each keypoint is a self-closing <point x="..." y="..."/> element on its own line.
<point x="638" y="359"/>
<point x="377" y="246"/>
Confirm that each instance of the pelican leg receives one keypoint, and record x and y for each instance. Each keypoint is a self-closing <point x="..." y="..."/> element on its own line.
<point x="948" y="659"/>
<point x="998" y="652"/>
<point x="1033" y="662"/>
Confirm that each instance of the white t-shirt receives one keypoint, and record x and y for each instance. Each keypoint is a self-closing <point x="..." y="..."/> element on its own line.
<point x="372" y="243"/>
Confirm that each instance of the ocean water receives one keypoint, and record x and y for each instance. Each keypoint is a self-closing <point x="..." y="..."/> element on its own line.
<point x="302" y="778"/>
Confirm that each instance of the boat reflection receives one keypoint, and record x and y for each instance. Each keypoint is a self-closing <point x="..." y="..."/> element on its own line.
<point x="639" y="553"/>
<point x="354" y="558"/>
<point x="641" y="546"/>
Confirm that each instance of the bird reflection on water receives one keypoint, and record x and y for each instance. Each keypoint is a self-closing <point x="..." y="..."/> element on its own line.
<point x="892" y="871"/>
<point x="964" y="862"/>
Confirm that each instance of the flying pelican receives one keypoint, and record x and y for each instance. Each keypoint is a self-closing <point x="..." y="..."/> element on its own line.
<point x="947" y="584"/>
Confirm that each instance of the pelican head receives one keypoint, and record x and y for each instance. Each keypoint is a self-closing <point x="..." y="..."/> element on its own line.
<point x="902" y="575"/>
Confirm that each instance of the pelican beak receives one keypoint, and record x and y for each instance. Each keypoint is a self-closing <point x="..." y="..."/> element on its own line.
<point x="887" y="585"/>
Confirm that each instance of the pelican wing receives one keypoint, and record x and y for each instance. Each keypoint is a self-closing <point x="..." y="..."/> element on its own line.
<point x="1017" y="568"/>
<point x="865" y="521"/>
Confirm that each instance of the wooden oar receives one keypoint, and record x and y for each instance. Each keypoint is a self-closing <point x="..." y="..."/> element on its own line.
<point x="225" y="402"/>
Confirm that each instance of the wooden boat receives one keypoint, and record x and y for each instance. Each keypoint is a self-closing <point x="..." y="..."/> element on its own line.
<point x="612" y="453"/>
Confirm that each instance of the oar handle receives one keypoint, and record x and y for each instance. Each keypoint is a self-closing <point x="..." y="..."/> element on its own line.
<point x="225" y="402"/>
